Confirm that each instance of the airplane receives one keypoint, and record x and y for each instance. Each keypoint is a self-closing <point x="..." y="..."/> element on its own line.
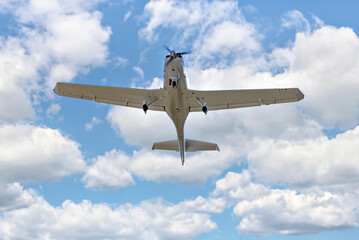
<point x="178" y="101"/>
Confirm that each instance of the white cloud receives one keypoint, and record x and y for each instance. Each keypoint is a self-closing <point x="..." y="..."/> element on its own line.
<point x="121" y="62"/>
<point x="219" y="28"/>
<point x="64" y="39"/>
<point x="227" y="38"/>
<point x="324" y="65"/>
<point x="127" y="15"/>
<point x="30" y="153"/>
<point x="140" y="129"/>
<point x="13" y="196"/>
<point x="109" y="171"/>
<point x="265" y="211"/>
<point x="208" y="205"/>
<point x="53" y="110"/>
<point x="17" y="79"/>
<point x="236" y="186"/>
<point x="287" y="212"/>
<point x="147" y="220"/>
<point x="167" y="13"/>
<point x="162" y="166"/>
<point x="295" y="19"/>
<point x="94" y="122"/>
<point x="115" y="169"/>
<point x="139" y="71"/>
<point x="330" y="163"/>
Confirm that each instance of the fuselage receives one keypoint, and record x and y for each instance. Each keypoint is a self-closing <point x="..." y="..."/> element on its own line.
<point x="176" y="105"/>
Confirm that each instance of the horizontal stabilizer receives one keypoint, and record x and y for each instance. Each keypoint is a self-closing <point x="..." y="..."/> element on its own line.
<point x="194" y="146"/>
<point x="190" y="146"/>
<point x="167" y="145"/>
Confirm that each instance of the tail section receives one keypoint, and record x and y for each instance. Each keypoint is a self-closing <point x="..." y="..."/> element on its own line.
<point x="189" y="146"/>
<point x="195" y="146"/>
<point x="167" y="145"/>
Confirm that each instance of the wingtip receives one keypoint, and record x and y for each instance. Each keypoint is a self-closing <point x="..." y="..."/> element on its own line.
<point x="300" y="95"/>
<point x="57" y="89"/>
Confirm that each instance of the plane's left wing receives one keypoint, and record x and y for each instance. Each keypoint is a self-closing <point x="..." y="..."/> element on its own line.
<point x="129" y="97"/>
<point x="226" y="99"/>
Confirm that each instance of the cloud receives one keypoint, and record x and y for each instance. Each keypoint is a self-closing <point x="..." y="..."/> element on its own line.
<point x="295" y="19"/>
<point x="147" y="220"/>
<point x="53" y="110"/>
<point x="330" y="163"/>
<point x="235" y="186"/>
<point x="127" y="15"/>
<point x="265" y="211"/>
<point x="123" y="119"/>
<point x="121" y="62"/>
<point x="219" y="29"/>
<point x="95" y="121"/>
<point x="287" y="212"/>
<point x="325" y="64"/>
<point x="115" y="169"/>
<point x="109" y="171"/>
<point x="17" y="79"/>
<point x="13" y="196"/>
<point x="56" y="41"/>
<point x="30" y="153"/>
<point x="139" y="71"/>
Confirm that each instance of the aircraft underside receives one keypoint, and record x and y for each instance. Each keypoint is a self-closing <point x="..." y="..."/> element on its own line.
<point x="178" y="101"/>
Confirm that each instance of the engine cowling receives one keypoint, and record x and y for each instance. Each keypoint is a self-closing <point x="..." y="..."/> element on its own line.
<point x="205" y="108"/>
<point x="145" y="106"/>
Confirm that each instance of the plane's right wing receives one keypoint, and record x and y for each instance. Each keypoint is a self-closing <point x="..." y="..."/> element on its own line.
<point x="227" y="99"/>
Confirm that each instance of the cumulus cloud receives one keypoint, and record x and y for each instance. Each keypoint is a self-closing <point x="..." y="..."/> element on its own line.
<point x="325" y="64"/>
<point x="219" y="27"/>
<point x="17" y="78"/>
<point x="331" y="163"/>
<point x="45" y="51"/>
<point x="56" y="27"/>
<point x="116" y="169"/>
<point x="30" y="153"/>
<point x="147" y="220"/>
<point x="265" y="211"/>
<point x="13" y="196"/>
<point x="287" y="212"/>
<point x="109" y="171"/>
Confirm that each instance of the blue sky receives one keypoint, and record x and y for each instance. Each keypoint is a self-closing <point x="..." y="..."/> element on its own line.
<point x="75" y="169"/>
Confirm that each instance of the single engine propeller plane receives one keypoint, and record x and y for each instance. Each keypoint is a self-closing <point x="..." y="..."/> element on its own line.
<point x="178" y="101"/>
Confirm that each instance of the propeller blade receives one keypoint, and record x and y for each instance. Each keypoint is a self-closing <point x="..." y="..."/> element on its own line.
<point x="183" y="53"/>
<point x="167" y="48"/>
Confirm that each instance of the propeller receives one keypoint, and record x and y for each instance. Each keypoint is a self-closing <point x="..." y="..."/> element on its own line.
<point x="174" y="54"/>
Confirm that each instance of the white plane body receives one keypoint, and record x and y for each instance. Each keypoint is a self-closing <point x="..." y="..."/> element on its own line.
<point x="178" y="101"/>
